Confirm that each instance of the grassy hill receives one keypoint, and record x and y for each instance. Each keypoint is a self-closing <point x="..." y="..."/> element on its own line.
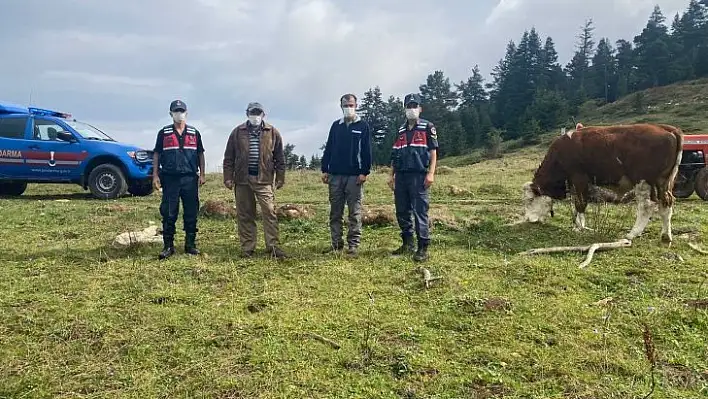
<point x="80" y="318"/>
<point x="682" y="104"/>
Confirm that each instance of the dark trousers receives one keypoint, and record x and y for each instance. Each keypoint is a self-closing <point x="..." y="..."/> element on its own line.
<point x="175" y="188"/>
<point x="411" y="197"/>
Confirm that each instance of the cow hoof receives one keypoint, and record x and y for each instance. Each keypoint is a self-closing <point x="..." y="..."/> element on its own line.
<point x="666" y="239"/>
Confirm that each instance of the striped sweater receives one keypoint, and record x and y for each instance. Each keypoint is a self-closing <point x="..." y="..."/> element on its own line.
<point x="254" y="138"/>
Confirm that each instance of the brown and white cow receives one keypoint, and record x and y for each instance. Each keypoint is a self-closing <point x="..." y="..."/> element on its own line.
<point x="643" y="157"/>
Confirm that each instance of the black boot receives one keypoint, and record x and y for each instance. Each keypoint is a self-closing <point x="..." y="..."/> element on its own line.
<point x="421" y="255"/>
<point x="406" y="247"/>
<point x="190" y="246"/>
<point x="168" y="249"/>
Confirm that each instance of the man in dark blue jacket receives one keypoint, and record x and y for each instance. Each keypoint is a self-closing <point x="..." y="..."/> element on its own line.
<point x="346" y="163"/>
<point x="179" y="169"/>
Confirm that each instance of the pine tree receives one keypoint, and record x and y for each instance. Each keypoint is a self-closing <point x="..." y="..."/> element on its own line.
<point x="603" y="72"/>
<point x="552" y="74"/>
<point x="315" y="163"/>
<point x="474" y="109"/>
<point x="373" y="109"/>
<point x="438" y="100"/>
<point x="394" y="118"/>
<point x="578" y="67"/>
<point x="652" y="49"/>
<point x="625" y="61"/>
<point x="472" y="92"/>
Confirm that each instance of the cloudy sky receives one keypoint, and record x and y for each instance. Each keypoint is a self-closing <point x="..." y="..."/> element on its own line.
<point x="119" y="64"/>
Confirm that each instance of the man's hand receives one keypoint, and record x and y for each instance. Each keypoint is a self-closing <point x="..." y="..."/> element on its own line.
<point x="391" y="182"/>
<point x="325" y="178"/>
<point x="229" y="184"/>
<point x="279" y="184"/>
<point x="361" y="179"/>
<point x="429" y="179"/>
<point x="156" y="183"/>
<point x="202" y="180"/>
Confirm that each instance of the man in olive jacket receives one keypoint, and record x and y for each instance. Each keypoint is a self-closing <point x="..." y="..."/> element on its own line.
<point x="253" y="160"/>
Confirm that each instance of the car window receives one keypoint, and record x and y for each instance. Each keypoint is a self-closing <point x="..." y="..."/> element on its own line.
<point x="13" y="128"/>
<point x="46" y="130"/>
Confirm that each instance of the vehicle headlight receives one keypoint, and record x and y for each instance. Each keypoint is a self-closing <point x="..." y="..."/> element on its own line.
<point x="140" y="156"/>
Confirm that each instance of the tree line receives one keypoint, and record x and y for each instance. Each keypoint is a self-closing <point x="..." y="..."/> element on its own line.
<point x="531" y="92"/>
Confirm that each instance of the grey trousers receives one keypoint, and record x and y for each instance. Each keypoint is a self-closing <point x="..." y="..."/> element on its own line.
<point x="344" y="190"/>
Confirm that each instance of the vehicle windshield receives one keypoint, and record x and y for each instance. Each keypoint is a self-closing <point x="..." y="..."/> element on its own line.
<point x="88" y="132"/>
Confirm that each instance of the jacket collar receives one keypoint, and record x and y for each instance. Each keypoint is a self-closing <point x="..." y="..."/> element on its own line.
<point x="244" y="126"/>
<point x="356" y="119"/>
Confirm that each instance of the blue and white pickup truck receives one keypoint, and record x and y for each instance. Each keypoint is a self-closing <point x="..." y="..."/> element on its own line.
<point x="44" y="146"/>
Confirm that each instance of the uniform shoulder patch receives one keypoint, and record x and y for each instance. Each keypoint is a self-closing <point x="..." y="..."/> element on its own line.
<point x="433" y="131"/>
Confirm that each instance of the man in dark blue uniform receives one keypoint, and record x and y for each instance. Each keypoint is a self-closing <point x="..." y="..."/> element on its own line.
<point x="413" y="161"/>
<point x="179" y="168"/>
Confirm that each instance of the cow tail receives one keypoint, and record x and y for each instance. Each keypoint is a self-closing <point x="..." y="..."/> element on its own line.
<point x="678" y="134"/>
<point x="679" y="155"/>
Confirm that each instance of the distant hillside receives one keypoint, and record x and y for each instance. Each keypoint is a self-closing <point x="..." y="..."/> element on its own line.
<point x="682" y="104"/>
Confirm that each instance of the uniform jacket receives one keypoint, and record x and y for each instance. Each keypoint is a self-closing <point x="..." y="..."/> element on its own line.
<point x="178" y="155"/>
<point x="272" y="158"/>
<point x="411" y="150"/>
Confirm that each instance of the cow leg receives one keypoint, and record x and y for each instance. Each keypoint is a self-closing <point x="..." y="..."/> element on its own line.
<point x="644" y="209"/>
<point x="666" y="212"/>
<point x="581" y="201"/>
<point x="666" y="209"/>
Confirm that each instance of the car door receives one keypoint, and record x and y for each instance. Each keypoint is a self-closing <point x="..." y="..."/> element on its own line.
<point x="13" y="131"/>
<point x="50" y="158"/>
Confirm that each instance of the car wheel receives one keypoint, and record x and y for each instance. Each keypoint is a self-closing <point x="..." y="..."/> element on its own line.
<point x="12" y="189"/>
<point x="702" y="184"/>
<point x="107" y="181"/>
<point x="141" y="188"/>
<point x="683" y="186"/>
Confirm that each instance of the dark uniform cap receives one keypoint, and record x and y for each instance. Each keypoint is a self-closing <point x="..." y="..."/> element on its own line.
<point x="254" y="105"/>
<point x="177" y="104"/>
<point x="411" y="98"/>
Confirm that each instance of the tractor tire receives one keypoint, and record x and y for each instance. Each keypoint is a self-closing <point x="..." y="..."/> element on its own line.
<point x="702" y="184"/>
<point x="107" y="181"/>
<point x="141" y="188"/>
<point x="684" y="184"/>
<point x="12" y="189"/>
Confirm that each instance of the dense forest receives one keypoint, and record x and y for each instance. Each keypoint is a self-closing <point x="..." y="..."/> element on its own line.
<point x="531" y="92"/>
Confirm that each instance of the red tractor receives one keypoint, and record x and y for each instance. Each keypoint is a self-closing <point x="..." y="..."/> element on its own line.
<point x="693" y="170"/>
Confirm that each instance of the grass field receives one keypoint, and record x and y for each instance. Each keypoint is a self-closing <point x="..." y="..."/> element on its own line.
<point x="79" y="318"/>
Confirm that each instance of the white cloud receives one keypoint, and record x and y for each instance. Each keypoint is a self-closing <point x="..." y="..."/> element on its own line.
<point x="120" y="64"/>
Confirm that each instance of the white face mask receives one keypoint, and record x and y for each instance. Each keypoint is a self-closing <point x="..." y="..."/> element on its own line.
<point x="179" y="116"/>
<point x="412" y="113"/>
<point x="349" y="111"/>
<point x="255" y="119"/>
